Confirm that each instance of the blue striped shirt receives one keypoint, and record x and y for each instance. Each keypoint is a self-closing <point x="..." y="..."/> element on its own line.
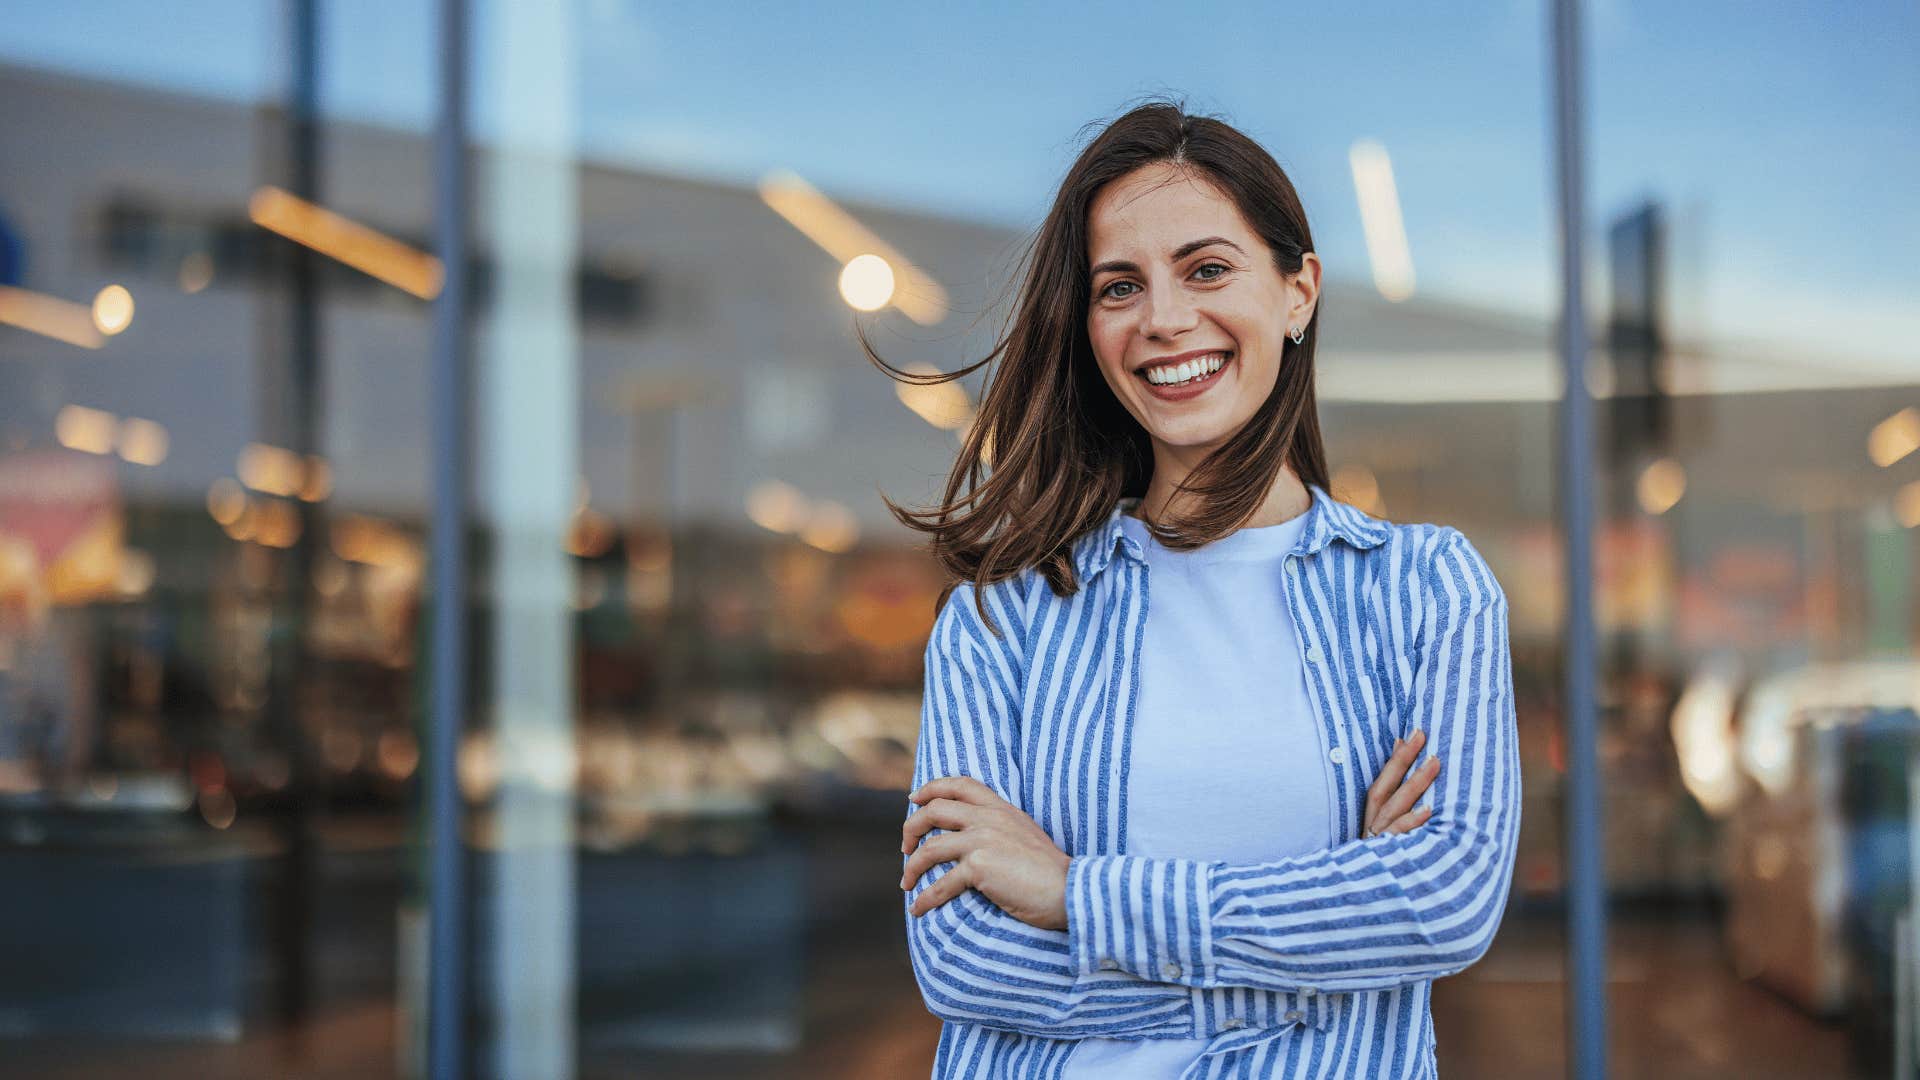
<point x="1315" y="965"/>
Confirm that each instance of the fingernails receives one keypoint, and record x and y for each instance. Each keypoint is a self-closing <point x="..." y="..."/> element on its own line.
<point x="903" y="883"/>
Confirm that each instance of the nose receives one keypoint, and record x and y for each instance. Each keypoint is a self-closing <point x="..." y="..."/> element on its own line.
<point x="1166" y="314"/>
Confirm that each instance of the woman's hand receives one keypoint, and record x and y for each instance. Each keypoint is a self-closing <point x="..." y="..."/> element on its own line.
<point x="1390" y="810"/>
<point x="995" y="848"/>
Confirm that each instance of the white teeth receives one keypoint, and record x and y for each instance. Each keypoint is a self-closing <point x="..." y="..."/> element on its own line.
<point x="1191" y="369"/>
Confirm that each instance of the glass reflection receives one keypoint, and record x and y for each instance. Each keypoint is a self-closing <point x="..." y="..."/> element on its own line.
<point x="698" y="634"/>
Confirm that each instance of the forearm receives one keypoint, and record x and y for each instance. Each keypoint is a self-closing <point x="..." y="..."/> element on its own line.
<point x="976" y="964"/>
<point x="1370" y="914"/>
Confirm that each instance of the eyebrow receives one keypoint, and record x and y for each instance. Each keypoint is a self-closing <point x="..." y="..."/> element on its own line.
<point x="1178" y="253"/>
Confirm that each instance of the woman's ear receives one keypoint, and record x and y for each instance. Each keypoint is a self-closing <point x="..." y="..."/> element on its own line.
<point x="1304" y="287"/>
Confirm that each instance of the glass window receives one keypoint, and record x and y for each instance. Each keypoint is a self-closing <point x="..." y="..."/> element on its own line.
<point x="696" y="631"/>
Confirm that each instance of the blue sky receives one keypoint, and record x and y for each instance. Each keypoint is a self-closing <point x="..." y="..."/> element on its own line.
<point x="1781" y="136"/>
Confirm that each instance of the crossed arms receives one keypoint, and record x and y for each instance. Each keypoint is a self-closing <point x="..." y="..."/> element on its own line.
<point x="1143" y="932"/>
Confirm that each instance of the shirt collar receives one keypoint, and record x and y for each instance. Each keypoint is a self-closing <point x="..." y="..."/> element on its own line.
<point x="1326" y="519"/>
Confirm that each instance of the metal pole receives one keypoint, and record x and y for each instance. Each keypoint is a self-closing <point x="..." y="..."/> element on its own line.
<point x="1586" y="872"/>
<point x="290" y="397"/>
<point x="446" y="890"/>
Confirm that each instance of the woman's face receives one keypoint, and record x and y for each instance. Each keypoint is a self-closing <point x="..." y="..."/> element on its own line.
<point x="1179" y="275"/>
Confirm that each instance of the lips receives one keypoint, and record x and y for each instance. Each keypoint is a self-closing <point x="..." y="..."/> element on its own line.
<point x="1167" y="362"/>
<point x="1199" y="382"/>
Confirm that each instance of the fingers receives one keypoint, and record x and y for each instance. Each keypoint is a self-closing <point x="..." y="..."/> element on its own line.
<point x="1404" y="751"/>
<point x="1409" y="821"/>
<point x="938" y="814"/>
<point x="1397" y="763"/>
<point x="951" y="884"/>
<point x="957" y="788"/>
<point x="1416" y="785"/>
<point x="944" y="848"/>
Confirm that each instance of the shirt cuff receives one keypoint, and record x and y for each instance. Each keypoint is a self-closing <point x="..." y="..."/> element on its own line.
<point x="1142" y="915"/>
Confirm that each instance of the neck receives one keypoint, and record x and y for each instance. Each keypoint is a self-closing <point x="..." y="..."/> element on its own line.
<point x="1287" y="499"/>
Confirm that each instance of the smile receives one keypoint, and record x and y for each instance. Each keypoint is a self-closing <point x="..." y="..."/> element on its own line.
<point x="1175" y="382"/>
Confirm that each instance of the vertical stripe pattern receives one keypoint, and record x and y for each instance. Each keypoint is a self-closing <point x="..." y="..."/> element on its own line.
<point x="1316" y="965"/>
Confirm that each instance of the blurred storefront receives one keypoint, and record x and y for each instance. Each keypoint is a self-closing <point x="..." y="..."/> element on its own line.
<point x="696" y="632"/>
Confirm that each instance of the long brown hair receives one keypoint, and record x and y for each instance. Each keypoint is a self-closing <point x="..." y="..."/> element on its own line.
<point x="1051" y="449"/>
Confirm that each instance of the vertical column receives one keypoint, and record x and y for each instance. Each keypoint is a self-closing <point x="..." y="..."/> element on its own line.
<point x="527" y="457"/>
<point x="446" y="653"/>
<point x="290" y="393"/>
<point x="1586" y="872"/>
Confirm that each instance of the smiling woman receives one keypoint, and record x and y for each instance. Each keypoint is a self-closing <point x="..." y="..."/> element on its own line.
<point x="1153" y="286"/>
<point x="1190" y="838"/>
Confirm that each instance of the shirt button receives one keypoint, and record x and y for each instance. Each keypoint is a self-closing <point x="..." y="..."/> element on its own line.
<point x="1107" y="964"/>
<point x="1234" y="1023"/>
<point x="1296" y="1016"/>
<point x="1313" y="654"/>
<point x="1170" y="969"/>
<point x="1337" y="755"/>
<point x="1307" y="991"/>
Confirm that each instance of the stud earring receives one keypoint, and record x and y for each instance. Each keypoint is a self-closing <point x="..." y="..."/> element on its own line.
<point x="1297" y="334"/>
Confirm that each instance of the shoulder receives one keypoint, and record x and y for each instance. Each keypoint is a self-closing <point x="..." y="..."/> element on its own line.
<point x="1412" y="540"/>
<point x="1004" y="603"/>
<point x="1458" y="568"/>
<point x="1440" y="565"/>
<point x="1454" y="577"/>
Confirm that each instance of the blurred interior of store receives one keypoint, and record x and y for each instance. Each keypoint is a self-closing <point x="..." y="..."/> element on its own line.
<point x="697" y="634"/>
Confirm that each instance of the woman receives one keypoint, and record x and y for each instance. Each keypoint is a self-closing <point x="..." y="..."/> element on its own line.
<point x="1183" y="838"/>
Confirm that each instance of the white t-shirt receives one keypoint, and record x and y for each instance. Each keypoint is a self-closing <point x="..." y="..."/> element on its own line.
<point x="1226" y="761"/>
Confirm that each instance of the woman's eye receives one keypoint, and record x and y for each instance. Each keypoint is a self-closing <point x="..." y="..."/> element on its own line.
<point x="1222" y="267"/>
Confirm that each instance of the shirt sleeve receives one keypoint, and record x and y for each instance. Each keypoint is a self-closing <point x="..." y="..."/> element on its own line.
<point x="1366" y="914"/>
<point x="975" y="963"/>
